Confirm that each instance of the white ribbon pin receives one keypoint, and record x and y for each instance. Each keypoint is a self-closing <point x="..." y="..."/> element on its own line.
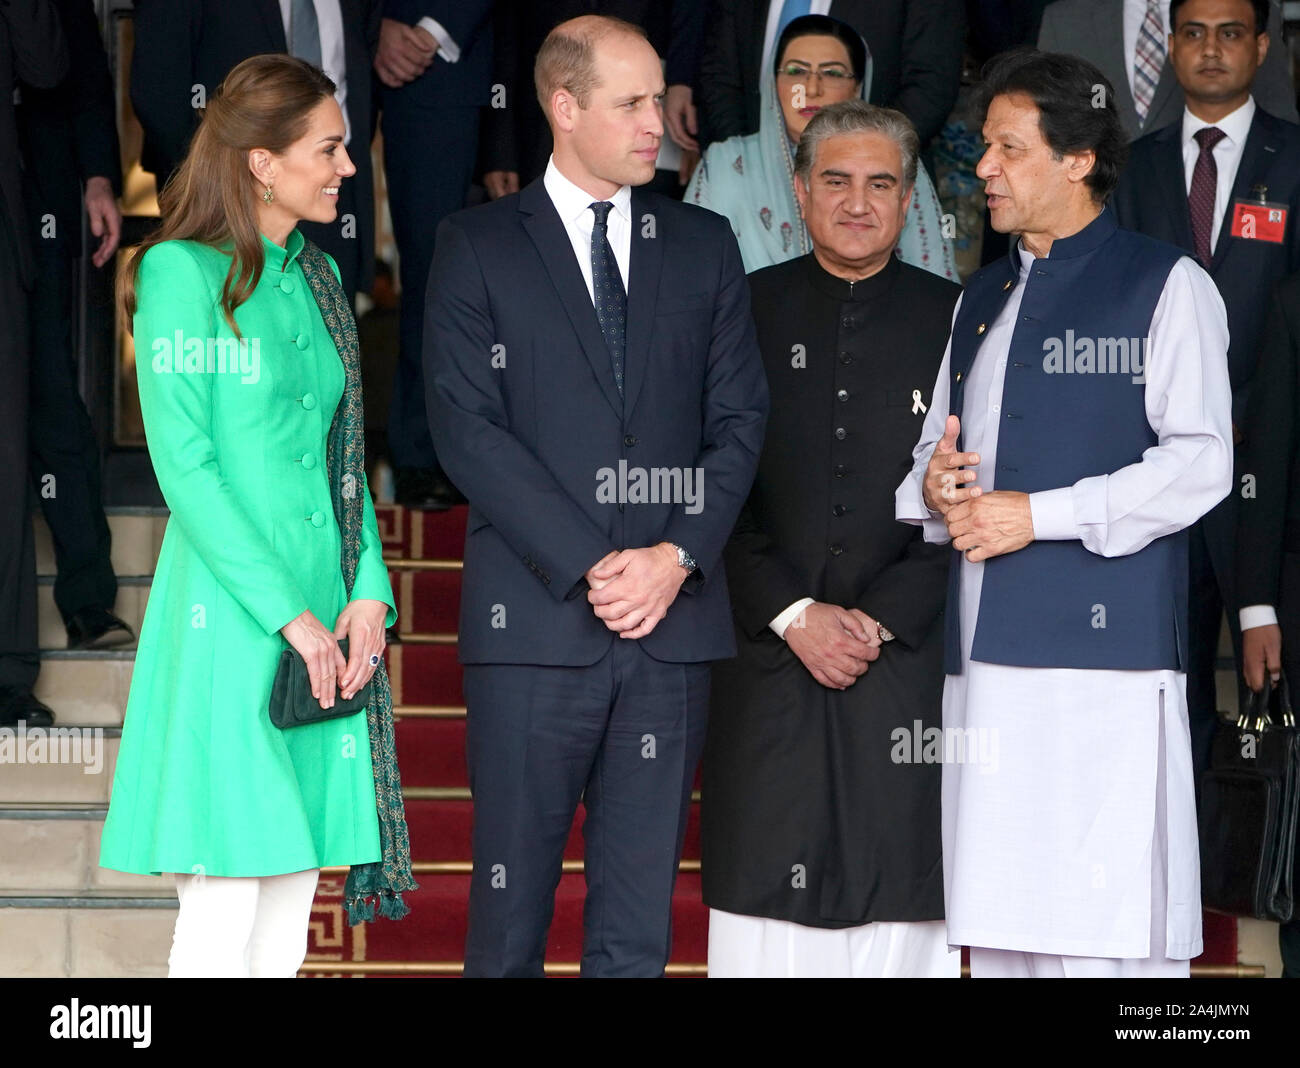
<point x="917" y="404"/>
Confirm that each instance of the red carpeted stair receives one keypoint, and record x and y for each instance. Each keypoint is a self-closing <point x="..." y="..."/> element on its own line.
<point x="425" y="550"/>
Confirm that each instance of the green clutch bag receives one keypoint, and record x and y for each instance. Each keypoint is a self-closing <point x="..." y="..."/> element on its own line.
<point x="292" y="704"/>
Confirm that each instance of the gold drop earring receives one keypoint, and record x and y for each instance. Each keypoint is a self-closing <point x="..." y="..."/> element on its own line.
<point x="268" y="195"/>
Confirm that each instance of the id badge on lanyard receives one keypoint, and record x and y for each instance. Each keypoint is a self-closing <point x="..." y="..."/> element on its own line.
<point x="1259" y="219"/>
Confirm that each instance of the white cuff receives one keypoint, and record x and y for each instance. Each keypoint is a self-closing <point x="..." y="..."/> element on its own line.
<point x="787" y="617"/>
<point x="1257" y="615"/>
<point x="447" y="48"/>
<point x="1052" y="513"/>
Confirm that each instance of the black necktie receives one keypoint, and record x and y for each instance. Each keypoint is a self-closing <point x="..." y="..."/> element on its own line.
<point x="610" y="296"/>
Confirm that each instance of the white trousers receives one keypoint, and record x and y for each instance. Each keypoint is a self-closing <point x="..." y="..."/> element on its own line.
<point x="1009" y="964"/>
<point x="754" y="947"/>
<point x="234" y="928"/>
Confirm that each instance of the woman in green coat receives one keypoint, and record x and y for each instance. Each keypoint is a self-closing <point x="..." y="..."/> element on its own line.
<point x="251" y="402"/>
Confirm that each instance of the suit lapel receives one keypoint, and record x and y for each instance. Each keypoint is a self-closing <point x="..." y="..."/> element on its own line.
<point x="542" y="224"/>
<point x="1166" y="87"/>
<point x="1257" y="157"/>
<point x="645" y="264"/>
<point x="270" y="12"/>
<point x="1171" y="177"/>
<point x="1111" y="61"/>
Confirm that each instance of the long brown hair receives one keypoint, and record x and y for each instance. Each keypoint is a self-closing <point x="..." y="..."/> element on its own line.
<point x="263" y="103"/>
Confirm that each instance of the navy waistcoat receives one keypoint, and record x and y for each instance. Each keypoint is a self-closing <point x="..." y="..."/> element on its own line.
<point x="1071" y="409"/>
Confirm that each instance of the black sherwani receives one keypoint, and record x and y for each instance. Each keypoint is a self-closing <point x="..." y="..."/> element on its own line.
<point x="805" y="816"/>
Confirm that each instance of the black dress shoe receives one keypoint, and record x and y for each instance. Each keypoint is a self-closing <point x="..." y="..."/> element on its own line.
<point x="416" y="487"/>
<point x="97" y="628"/>
<point x="20" y="706"/>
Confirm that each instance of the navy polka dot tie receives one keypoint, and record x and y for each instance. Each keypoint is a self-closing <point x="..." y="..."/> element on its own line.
<point x="610" y="296"/>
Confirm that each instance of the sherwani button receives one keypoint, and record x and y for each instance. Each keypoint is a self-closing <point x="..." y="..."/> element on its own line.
<point x="309" y="401"/>
<point x="318" y="519"/>
<point x="308" y="461"/>
<point x="838" y="510"/>
<point x="840" y="433"/>
<point x="286" y="284"/>
<point x="836" y="549"/>
<point x="302" y="341"/>
<point x="842" y="394"/>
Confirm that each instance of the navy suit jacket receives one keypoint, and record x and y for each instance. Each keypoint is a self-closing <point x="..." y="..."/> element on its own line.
<point x="1152" y="199"/>
<point x="525" y="414"/>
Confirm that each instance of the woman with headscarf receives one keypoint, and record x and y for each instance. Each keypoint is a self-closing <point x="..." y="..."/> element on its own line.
<point x="250" y="389"/>
<point x="818" y="61"/>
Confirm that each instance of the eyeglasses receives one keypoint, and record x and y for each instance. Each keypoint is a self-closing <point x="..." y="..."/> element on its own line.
<point x="831" y="74"/>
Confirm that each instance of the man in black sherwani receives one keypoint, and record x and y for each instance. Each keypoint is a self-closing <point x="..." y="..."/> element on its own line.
<point x="820" y="817"/>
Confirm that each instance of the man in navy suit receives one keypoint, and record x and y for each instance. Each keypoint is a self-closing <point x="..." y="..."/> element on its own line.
<point x="435" y="63"/>
<point x="1195" y="183"/>
<point x="596" y="391"/>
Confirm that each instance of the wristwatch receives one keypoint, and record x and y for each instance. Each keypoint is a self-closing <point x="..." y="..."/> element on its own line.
<point x="685" y="559"/>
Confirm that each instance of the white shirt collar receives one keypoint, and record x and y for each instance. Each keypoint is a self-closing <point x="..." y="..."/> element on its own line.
<point x="572" y="201"/>
<point x="1235" y="125"/>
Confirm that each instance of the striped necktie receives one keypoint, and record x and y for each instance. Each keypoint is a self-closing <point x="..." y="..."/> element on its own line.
<point x="1148" y="60"/>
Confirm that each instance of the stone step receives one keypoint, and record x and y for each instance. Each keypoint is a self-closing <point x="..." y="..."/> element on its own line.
<point x="108" y="934"/>
<point x="86" y="687"/>
<point x="66" y="763"/>
<point x="137" y="536"/>
<point x="132" y="595"/>
<point x="65" y="838"/>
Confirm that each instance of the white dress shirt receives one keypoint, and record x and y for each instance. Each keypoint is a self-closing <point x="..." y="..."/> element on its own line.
<point x="574" y="207"/>
<point x="1227" y="155"/>
<point x="333" y="59"/>
<point x="1135" y="13"/>
<point x="447" y="48"/>
<point x="1054" y="853"/>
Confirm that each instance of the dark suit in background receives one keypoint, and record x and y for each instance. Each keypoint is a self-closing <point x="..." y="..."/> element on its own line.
<point x="1094" y="30"/>
<point x="916" y="52"/>
<point x="517" y="137"/>
<point x="182" y="43"/>
<point x="32" y="50"/>
<point x="69" y="135"/>
<point x="430" y="143"/>
<point x="1152" y="199"/>
<point x="525" y="414"/>
<point x="1268" y="526"/>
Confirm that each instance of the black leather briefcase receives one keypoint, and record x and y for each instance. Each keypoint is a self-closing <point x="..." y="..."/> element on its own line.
<point x="1249" y="803"/>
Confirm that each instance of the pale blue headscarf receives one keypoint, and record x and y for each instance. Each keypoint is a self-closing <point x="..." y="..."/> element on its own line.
<point x="750" y="179"/>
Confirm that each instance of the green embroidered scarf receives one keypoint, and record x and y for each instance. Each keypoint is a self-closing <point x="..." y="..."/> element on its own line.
<point x="345" y="460"/>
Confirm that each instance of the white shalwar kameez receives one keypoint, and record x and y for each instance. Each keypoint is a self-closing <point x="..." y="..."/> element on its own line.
<point x="1075" y="852"/>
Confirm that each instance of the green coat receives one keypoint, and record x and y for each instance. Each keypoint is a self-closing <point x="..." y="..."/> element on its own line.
<point x="204" y="782"/>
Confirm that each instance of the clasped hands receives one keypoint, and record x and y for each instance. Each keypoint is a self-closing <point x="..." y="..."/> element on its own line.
<point x="835" y="644"/>
<point x="981" y="524"/>
<point x="362" y="623"/>
<point x="632" y="590"/>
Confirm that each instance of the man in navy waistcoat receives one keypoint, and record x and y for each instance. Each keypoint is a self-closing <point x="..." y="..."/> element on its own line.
<point x="1080" y="423"/>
